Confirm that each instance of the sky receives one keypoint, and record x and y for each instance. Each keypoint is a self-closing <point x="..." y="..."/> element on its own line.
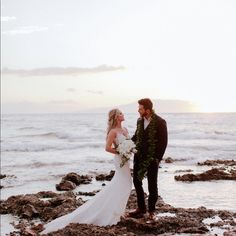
<point x="73" y="55"/>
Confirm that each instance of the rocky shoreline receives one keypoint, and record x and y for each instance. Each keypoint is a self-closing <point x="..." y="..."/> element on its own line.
<point x="33" y="210"/>
<point x="46" y="206"/>
<point x="221" y="170"/>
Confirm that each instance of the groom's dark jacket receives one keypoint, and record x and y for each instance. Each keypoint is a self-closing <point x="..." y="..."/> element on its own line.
<point x="160" y="140"/>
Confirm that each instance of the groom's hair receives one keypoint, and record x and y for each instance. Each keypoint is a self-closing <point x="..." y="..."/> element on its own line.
<point x="146" y="102"/>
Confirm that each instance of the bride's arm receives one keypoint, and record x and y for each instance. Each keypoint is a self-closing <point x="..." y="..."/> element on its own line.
<point x="127" y="132"/>
<point x="110" y="140"/>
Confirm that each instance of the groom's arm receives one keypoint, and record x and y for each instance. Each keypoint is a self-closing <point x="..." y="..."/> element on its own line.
<point x="134" y="138"/>
<point x="162" y="139"/>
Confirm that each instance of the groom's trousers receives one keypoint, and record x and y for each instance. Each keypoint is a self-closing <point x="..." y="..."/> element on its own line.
<point x="152" y="173"/>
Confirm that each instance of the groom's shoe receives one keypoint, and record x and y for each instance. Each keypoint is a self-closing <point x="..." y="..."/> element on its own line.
<point x="151" y="215"/>
<point x="137" y="213"/>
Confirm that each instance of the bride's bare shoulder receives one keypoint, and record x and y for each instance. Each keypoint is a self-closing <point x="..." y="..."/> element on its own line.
<point x="112" y="132"/>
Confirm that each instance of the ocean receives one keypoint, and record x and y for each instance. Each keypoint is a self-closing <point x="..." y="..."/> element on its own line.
<point x="38" y="149"/>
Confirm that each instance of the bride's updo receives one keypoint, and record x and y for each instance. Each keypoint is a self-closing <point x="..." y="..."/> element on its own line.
<point x="112" y="119"/>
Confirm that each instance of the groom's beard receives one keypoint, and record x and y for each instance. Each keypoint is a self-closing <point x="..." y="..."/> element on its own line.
<point x="143" y="115"/>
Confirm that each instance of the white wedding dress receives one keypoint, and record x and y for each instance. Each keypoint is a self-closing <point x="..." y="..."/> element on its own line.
<point x="107" y="206"/>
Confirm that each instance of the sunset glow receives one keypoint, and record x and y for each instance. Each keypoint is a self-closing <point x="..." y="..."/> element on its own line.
<point x="110" y="53"/>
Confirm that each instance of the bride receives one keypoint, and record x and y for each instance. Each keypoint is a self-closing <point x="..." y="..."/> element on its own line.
<point x="109" y="204"/>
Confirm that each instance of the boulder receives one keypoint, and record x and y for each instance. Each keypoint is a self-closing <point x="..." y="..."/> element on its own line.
<point x="107" y="177"/>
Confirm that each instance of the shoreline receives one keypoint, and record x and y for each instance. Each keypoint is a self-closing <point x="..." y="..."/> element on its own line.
<point x="184" y="195"/>
<point x="167" y="173"/>
<point x="169" y="220"/>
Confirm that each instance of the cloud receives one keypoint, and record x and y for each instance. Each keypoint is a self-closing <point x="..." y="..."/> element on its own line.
<point x="52" y="71"/>
<point x="7" y="18"/>
<point x="63" y="102"/>
<point x="95" y="92"/>
<point x="71" y="90"/>
<point x="25" y="30"/>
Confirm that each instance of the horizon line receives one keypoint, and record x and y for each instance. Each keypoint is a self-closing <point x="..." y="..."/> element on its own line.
<point x="81" y="112"/>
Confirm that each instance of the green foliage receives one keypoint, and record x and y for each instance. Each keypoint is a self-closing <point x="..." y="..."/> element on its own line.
<point x="144" y="161"/>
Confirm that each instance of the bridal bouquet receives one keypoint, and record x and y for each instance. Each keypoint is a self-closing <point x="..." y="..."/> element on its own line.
<point x="125" y="149"/>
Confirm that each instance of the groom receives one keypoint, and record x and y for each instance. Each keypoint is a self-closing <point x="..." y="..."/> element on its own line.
<point x="151" y="140"/>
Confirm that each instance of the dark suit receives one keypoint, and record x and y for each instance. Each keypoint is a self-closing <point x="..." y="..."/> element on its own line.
<point x="152" y="170"/>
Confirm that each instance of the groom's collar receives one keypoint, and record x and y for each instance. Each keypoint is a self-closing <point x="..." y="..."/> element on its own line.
<point x="147" y="119"/>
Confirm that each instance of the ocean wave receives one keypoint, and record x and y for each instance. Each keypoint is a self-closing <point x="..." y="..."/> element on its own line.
<point x="43" y="148"/>
<point x="48" y="135"/>
<point x="224" y="133"/>
<point x="60" y="135"/>
<point x="230" y="147"/>
<point x="29" y="128"/>
<point x="36" y="165"/>
<point x="192" y="147"/>
<point x="193" y="135"/>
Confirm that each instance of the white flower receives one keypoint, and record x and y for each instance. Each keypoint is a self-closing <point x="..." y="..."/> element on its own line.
<point x="125" y="149"/>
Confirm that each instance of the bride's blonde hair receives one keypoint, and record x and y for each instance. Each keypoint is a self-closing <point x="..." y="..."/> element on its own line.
<point x="112" y="119"/>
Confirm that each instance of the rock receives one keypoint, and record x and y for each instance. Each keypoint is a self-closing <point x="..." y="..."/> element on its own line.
<point x="169" y="160"/>
<point x="29" y="211"/>
<point x="71" y="180"/>
<point x="182" y="221"/>
<point x="31" y="206"/>
<point x="178" y="171"/>
<point x="88" y="230"/>
<point x="231" y="232"/>
<point x="213" y="174"/>
<point x="46" y="194"/>
<point x="65" y="185"/>
<point x="103" y="177"/>
<point x="2" y="176"/>
<point x="78" y="179"/>
<point x="88" y="193"/>
<point x="217" y="162"/>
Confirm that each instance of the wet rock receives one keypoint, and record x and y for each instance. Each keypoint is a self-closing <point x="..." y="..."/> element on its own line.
<point x="65" y="185"/>
<point x="78" y="179"/>
<point x="179" y="171"/>
<point x="231" y="232"/>
<point x="29" y="211"/>
<point x="169" y="160"/>
<point x="88" y="193"/>
<point x="71" y="180"/>
<point x="183" y="221"/>
<point x="46" y="194"/>
<point x="103" y="177"/>
<point x="217" y="162"/>
<point x="88" y="230"/>
<point x="2" y="176"/>
<point x="32" y="206"/>
<point x="164" y="225"/>
<point x="213" y="174"/>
